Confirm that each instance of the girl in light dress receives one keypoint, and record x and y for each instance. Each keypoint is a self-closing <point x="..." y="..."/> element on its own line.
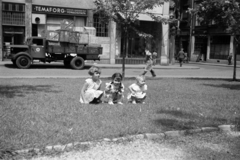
<point x="137" y="90"/>
<point x="90" y="92"/>
<point x="114" y="90"/>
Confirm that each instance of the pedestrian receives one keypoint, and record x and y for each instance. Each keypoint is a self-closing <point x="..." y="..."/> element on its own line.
<point x="137" y="90"/>
<point x="150" y="59"/>
<point x="91" y="91"/>
<point x="181" y="56"/>
<point x="114" y="90"/>
<point x="230" y="59"/>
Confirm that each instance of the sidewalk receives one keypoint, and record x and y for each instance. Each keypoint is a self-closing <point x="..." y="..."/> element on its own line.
<point x="58" y="70"/>
<point x="130" y="66"/>
<point x="137" y="66"/>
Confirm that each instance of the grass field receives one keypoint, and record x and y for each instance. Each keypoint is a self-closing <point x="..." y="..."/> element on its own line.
<point x="40" y="112"/>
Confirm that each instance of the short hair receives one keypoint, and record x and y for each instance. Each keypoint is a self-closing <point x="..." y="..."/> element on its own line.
<point x="94" y="69"/>
<point x="140" y="78"/>
<point x="116" y="75"/>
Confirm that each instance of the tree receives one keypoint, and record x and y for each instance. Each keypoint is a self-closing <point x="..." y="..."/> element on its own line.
<point x="125" y="13"/>
<point x="222" y="13"/>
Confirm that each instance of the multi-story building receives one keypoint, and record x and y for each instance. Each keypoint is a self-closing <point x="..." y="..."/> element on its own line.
<point x="202" y="43"/>
<point x="24" y="18"/>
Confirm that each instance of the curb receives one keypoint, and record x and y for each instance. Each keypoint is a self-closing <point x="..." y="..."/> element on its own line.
<point x="228" y="129"/>
<point x="126" y="77"/>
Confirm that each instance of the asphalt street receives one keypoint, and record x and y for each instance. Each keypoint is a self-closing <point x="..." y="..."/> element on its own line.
<point x="57" y="70"/>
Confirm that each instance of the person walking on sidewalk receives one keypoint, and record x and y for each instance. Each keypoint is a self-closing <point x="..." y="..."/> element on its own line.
<point x="181" y="56"/>
<point x="150" y="62"/>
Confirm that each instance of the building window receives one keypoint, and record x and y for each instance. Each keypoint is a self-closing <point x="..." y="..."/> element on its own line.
<point x="13" y="14"/>
<point x="100" y="25"/>
<point x="220" y="46"/>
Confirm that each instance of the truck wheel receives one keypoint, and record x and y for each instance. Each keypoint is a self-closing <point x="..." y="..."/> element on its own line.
<point x="77" y="63"/>
<point x="23" y="62"/>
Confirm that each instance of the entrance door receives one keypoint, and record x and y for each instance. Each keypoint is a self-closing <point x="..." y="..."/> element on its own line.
<point x="12" y="35"/>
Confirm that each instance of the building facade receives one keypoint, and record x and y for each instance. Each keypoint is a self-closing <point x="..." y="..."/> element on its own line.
<point x="208" y="44"/>
<point x="25" y="18"/>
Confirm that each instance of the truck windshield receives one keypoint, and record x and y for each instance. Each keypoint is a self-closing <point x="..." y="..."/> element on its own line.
<point x="37" y="42"/>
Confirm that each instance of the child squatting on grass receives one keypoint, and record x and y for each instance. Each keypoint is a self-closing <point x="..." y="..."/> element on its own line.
<point x="90" y="92"/>
<point x="137" y="91"/>
<point x="114" y="90"/>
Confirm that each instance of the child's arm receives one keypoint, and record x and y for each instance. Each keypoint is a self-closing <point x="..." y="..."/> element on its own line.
<point x="108" y="87"/>
<point x="99" y="88"/>
<point x="131" y="90"/>
<point x="144" y="90"/>
<point x="83" y="91"/>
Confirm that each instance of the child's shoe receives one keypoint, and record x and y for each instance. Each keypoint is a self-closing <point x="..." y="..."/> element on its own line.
<point x="111" y="103"/>
<point x="120" y="103"/>
<point x="133" y="102"/>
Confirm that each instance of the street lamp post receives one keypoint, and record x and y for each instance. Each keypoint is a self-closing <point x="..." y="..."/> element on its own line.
<point x="190" y="33"/>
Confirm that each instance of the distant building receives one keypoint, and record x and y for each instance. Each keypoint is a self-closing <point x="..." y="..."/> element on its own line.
<point x="207" y="44"/>
<point x="25" y="18"/>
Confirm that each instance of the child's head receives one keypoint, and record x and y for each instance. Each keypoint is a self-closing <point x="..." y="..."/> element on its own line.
<point x="116" y="78"/>
<point x="94" y="70"/>
<point x="140" y="80"/>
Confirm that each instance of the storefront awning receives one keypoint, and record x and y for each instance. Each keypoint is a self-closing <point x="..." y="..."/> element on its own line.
<point x="145" y="17"/>
<point x="81" y="4"/>
<point x="142" y="17"/>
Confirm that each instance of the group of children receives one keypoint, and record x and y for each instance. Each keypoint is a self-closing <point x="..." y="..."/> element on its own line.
<point x="91" y="92"/>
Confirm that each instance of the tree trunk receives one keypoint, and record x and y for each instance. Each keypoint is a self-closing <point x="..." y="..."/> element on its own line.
<point x="234" y="65"/>
<point x="124" y="54"/>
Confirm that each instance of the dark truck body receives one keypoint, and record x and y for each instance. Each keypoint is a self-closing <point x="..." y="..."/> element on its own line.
<point x="38" y="48"/>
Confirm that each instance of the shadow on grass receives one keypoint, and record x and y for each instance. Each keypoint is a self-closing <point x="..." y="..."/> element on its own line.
<point x="21" y="91"/>
<point x="226" y="86"/>
<point x="183" y="120"/>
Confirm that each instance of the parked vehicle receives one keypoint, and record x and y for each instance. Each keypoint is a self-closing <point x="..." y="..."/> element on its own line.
<point x="44" y="50"/>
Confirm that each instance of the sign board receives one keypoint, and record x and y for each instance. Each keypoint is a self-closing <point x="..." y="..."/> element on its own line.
<point x="58" y="10"/>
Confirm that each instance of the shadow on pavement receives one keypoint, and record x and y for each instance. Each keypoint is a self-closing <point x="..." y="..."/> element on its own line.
<point x="44" y="66"/>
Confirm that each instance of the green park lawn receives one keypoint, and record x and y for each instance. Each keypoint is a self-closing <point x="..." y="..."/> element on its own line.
<point x="38" y="112"/>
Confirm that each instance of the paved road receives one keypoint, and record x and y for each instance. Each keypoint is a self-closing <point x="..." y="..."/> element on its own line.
<point x="57" y="70"/>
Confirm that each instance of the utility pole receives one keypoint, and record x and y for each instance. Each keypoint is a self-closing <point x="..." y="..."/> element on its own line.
<point x="190" y="33"/>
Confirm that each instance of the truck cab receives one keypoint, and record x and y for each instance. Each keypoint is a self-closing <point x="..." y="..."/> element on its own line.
<point x="36" y="47"/>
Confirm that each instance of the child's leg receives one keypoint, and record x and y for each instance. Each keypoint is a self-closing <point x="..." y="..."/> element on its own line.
<point x="132" y="100"/>
<point x="141" y="100"/>
<point x="119" y="98"/>
<point x="110" y="99"/>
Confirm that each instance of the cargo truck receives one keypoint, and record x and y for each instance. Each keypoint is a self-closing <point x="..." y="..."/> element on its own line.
<point x="39" y="48"/>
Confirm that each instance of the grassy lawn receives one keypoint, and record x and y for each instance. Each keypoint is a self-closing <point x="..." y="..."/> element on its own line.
<point x="40" y="112"/>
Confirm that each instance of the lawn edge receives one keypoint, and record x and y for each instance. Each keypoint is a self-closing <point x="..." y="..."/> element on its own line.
<point x="228" y="129"/>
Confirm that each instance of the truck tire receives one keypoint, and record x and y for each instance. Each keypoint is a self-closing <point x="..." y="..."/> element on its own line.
<point x="77" y="63"/>
<point x="23" y="62"/>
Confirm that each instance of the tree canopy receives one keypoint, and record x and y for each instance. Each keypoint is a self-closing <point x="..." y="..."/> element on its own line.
<point x="223" y="13"/>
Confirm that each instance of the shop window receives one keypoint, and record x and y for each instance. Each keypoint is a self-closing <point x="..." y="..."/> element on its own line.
<point x="54" y="22"/>
<point x="13" y="7"/>
<point x="101" y="25"/>
<point x="13" y="14"/>
<point x="220" y="46"/>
